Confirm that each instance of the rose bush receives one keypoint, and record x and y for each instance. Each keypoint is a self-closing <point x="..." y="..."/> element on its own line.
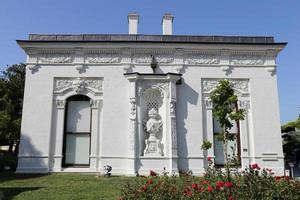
<point x="253" y="183"/>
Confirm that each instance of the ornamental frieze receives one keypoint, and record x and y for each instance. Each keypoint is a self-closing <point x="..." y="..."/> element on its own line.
<point x="164" y="59"/>
<point x="240" y="85"/>
<point x="247" y="60"/>
<point x="56" y="58"/>
<point x="202" y="59"/>
<point x="103" y="58"/>
<point x="77" y="84"/>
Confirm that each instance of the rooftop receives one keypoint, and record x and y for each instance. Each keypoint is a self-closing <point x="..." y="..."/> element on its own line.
<point x="150" y="38"/>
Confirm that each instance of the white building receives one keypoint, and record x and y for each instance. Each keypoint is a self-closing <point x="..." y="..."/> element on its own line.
<point x="88" y="99"/>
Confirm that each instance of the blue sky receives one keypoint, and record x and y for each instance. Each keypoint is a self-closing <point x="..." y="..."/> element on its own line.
<point x="278" y="18"/>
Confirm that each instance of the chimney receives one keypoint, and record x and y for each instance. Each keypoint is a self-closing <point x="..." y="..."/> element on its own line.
<point x="167" y="24"/>
<point x="133" y="20"/>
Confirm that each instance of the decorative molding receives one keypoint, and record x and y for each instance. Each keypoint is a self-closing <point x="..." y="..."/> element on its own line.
<point x="173" y="107"/>
<point x="145" y="58"/>
<point x="102" y="58"/>
<point x="95" y="103"/>
<point x="78" y="84"/>
<point x="81" y="68"/>
<point x="163" y="87"/>
<point x="56" y="58"/>
<point x="33" y="67"/>
<point x="272" y="70"/>
<point x="247" y="60"/>
<point x="60" y="104"/>
<point x="132" y="109"/>
<point x="174" y="133"/>
<point x="244" y="104"/>
<point x="226" y="69"/>
<point x="239" y="85"/>
<point x="208" y="104"/>
<point x="202" y="59"/>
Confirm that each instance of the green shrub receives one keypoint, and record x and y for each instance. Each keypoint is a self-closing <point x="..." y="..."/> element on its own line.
<point x="253" y="183"/>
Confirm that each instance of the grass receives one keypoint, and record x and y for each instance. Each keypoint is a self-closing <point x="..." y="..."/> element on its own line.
<point x="60" y="186"/>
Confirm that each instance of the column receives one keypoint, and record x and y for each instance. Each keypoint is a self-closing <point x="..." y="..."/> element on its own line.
<point x="95" y="104"/>
<point x="60" y="118"/>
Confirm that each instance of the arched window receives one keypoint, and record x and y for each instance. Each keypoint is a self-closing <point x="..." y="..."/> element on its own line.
<point x="77" y="134"/>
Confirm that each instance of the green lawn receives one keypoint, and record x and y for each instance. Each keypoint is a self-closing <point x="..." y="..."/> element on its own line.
<point x="60" y="186"/>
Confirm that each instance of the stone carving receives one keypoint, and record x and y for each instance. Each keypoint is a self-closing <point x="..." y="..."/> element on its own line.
<point x="33" y="68"/>
<point x="95" y="104"/>
<point x="148" y="59"/>
<point x="174" y="133"/>
<point x="78" y="84"/>
<point x="60" y="104"/>
<point x="160" y="86"/>
<point x="202" y="59"/>
<point x="56" y="58"/>
<point x="226" y="69"/>
<point x="81" y="68"/>
<point x="241" y="85"/>
<point x="272" y="70"/>
<point x="172" y="107"/>
<point x="103" y="58"/>
<point x="208" y="104"/>
<point x="153" y="127"/>
<point x="245" y="104"/>
<point x="132" y="109"/>
<point x="247" y="60"/>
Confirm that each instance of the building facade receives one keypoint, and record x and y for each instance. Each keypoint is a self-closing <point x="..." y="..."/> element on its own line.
<point x="141" y="102"/>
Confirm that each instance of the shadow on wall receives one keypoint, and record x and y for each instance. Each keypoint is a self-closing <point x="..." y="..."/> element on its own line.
<point x="187" y="95"/>
<point x="30" y="159"/>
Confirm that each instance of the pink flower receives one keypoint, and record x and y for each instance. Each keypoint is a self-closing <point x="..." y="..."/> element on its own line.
<point x="209" y="158"/>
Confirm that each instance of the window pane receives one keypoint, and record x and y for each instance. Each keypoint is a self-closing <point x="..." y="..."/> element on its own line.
<point x="79" y="114"/>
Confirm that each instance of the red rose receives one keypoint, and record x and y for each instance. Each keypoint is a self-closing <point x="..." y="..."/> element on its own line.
<point x="228" y="184"/>
<point x="204" y="182"/>
<point x="277" y="178"/>
<point x="210" y="189"/>
<point x="209" y="158"/>
<point x="195" y="186"/>
<point x="149" y="181"/>
<point x="220" y="184"/>
<point x="188" y="192"/>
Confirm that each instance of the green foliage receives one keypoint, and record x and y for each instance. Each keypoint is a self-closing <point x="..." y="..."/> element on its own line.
<point x="11" y="99"/>
<point x="290" y="126"/>
<point x="206" y="145"/>
<point x="224" y="100"/>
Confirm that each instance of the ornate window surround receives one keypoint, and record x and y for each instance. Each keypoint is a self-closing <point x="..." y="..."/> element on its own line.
<point x="242" y="90"/>
<point x="63" y="88"/>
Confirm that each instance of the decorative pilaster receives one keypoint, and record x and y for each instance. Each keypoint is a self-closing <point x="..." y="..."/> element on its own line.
<point x="244" y="134"/>
<point x="173" y="129"/>
<point x="60" y="118"/>
<point x="96" y="106"/>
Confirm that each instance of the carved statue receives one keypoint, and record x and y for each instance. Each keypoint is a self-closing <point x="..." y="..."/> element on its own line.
<point x="153" y="127"/>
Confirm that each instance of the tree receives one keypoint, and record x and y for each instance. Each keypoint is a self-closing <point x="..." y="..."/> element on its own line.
<point x="225" y="111"/>
<point x="11" y="100"/>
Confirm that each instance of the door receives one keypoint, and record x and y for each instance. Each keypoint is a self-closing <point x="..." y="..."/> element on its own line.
<point x="77" y="131"/>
